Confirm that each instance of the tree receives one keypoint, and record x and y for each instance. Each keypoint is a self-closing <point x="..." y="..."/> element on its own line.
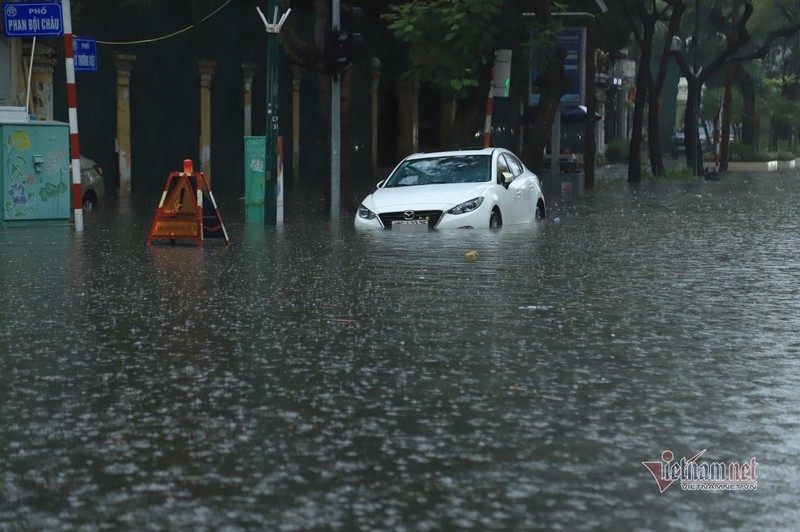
<point x="696" y="77"/>
<point x="452" y="47"/>
<point x="644" y="21"/>
<point x="459" y="38"/>
<point x="309" y="55"/>
<point x="734" y="25"/>
<point x="772" y="22"/>
<point x="552" y="83"/>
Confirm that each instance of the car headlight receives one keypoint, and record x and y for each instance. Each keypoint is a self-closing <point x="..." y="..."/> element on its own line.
<point x="467" y="206"/>
<point x="365" y="213"/>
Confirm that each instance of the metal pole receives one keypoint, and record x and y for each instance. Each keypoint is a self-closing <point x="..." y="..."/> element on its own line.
<point x="336" y="127"/>
<point x="271" y="132"/>
<point x="273" y="213"/>
<point x="555" y="150"/>
<point x="72" y="104"/>
<point x="696" y="100"/>
<point x="590" y="139"/>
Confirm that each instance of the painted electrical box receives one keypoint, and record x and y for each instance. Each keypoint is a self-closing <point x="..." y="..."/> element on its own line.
<point x="35" y="170"/>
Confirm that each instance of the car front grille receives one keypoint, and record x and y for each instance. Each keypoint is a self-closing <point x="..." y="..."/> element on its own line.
<point x="432" y="216"/>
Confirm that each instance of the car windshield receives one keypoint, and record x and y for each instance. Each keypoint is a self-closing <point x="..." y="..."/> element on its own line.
<point x="438" y="170"/>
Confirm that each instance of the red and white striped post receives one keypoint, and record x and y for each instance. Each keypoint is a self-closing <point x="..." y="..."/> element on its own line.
<point x="717" y="137"/>
<point x="72" y="104"/>
<point x="487" y="124"/>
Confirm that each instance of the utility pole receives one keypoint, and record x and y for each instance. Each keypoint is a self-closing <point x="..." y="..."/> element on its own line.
<point x="271" y="184"/>
<point x="336" y="125"/>
<point x="72" y="104"/>
<point x="695" y="146"/>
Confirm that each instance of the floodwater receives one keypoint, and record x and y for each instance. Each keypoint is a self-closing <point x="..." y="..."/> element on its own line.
<point x="314" y="377"/>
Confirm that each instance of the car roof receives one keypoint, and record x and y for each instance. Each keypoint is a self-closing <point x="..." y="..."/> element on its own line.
<point x="452" y="153"/>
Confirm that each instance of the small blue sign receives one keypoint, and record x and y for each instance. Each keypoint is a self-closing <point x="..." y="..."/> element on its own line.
<point x="573" y="40"/>
<point x="84" y="54"/>
<point x="32" y="20"/>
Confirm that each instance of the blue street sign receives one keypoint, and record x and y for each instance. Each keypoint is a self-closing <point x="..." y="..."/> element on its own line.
<point x="84" y="54"/>
<point x="573" y="40"/>
<point x="32" y="20"/>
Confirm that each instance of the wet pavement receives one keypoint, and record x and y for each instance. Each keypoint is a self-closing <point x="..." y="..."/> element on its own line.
<point x="313" y="377"/>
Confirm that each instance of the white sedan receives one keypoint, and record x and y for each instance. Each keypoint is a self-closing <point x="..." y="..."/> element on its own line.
<point x="487" y="187"/>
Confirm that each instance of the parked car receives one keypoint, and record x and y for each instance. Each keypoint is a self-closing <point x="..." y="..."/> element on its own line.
<point x="486" y="187"/>
<point x="679" y="145"/>
<point x="93" y="188"/>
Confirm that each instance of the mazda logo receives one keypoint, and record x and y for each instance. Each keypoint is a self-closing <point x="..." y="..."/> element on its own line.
<point x="408" y="215"/>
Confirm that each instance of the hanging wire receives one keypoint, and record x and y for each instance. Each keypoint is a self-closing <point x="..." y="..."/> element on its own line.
<point x="169" y="35"/>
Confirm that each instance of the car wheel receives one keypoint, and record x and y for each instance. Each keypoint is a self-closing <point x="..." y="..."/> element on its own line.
<point x="89" y="202"/>
<point x="539" y="215"/>
<point x="495" y="220"/>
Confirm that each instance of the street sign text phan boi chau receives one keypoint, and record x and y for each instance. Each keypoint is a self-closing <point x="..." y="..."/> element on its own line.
<point x="32" y="20"/>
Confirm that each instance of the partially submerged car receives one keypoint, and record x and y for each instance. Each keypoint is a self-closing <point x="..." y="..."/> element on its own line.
<point x="93" y="188"/>
<point x="678" y="142"/>
<point x="487" y="187"/>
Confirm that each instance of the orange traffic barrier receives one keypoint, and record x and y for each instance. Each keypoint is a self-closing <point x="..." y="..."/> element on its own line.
<point x="187" y="209"/>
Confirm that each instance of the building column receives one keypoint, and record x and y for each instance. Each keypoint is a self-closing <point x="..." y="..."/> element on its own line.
<point x="408" y="114"/>
<point x="249" y="69"/>
<point x="19" y="75"/>
<point x="376" y="80"/>
<point x="206" y="70"/>
<point x="601" y="127"/>
<point x="42" y="87"/>
<point x="297" y="78"/>
<point x="124" y="64"/>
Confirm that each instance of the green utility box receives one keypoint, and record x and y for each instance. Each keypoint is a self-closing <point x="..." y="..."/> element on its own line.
<point x="255" y="165"/>
<point x="35" y="170"/>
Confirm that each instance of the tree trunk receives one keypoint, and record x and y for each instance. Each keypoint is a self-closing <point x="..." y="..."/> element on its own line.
<point x="467" y="123"/>
<point x="725" y="133"/>
<point x="657" y="85"/>
<point x="642" y="82"/>
<point x="694" y="152"/>
<point x="553" y="84"/>
<point x="727" y="98"/>
<point x="653" y="146"/>
<point x="749" y="117"/>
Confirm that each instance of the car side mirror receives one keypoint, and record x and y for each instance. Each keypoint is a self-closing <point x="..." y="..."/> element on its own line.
<point x="508" y="177"/>
<point x="380" y="183"/>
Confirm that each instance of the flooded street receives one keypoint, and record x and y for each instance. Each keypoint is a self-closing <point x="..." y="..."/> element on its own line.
<point x="314" y="377"/>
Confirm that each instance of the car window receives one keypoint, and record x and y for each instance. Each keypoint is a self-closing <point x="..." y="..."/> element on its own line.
<point x="513" y="164"/>
<point x="439" y="170"/>
<point x="502" y="167"/>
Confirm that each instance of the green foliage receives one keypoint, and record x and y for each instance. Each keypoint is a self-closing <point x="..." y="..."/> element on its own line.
<point x="739" y="152"/>
<point x="671" y="173"/>
<point x="617" y="150"/>
<point x="453" y="39"/>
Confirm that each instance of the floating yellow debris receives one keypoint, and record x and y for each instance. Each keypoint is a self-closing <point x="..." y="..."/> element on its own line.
<point x="471" y="254"/>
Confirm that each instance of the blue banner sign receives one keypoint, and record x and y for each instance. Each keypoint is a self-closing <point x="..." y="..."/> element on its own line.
<point x="32" y="20"/>
<point x="84" y="54"/>
<point x="573" y="40"/>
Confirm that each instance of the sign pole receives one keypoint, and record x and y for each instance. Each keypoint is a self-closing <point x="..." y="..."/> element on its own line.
<point x="336" y="127"/>
<point x="72" y="104"/>
<point x="271" y="183"/>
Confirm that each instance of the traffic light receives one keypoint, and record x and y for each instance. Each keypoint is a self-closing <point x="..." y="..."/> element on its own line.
<point x="338" y="50"/>
<point x="341" y="40"/>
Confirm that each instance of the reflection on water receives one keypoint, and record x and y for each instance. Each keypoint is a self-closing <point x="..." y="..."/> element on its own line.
<point x="310" y="377"/>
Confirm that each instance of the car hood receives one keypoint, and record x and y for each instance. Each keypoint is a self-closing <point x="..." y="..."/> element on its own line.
<point x="426" y="196"/>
